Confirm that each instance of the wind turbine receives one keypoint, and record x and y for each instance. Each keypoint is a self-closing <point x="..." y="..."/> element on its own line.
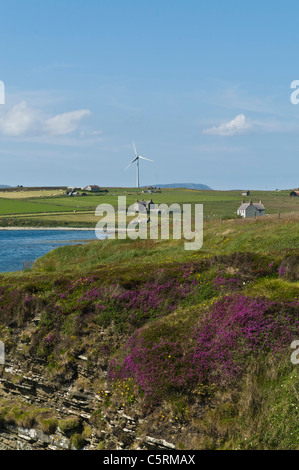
<point x="136" y="159"/>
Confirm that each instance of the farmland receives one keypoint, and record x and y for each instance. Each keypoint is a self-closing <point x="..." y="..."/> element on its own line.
<point x="194" y="344"/>
<point x="51" y="207"/>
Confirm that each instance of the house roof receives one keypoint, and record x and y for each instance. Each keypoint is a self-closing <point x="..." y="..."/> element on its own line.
<point x="144" y="202"/>
<point x="258" y="206"/>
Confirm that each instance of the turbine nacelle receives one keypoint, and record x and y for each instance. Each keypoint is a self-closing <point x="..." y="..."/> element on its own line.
<point x="136" y="159"/>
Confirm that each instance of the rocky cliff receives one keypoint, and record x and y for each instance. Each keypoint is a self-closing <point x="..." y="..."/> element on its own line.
<point x="38" y="410"/>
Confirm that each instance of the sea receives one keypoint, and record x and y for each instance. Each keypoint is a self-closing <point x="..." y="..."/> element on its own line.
<point x="20" y="248"/>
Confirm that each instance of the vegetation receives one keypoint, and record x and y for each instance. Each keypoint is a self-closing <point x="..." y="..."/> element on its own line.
<point x="28" y="416"/>
<point x="69" y="426"/>
<point x="199" y="340"/>
<point x="53" y="208"/>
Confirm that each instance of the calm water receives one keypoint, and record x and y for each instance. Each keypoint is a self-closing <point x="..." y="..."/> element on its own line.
<point x="20" y="248"/>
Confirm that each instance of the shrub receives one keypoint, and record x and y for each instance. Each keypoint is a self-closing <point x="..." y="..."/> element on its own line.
<point x="69" y="425"/>
<point x="49" y="425"/>
<point x="289" y="268"/>
<point x="78" y="441"/>
<point x="227" y="283"/>
<point x="235" y="329"/>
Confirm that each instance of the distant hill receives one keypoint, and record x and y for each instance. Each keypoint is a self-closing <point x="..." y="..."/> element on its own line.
<point x="183" y="185"/>
<point x="4" y="186"/>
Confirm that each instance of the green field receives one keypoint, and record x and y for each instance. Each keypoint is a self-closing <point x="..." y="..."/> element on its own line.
<point x="30" y="206"/>
<point x="40" y="208"/>
<point x="145" y="303"/>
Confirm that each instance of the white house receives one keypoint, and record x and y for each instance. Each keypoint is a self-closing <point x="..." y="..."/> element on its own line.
<point x="92" y="187"/>
<point x="251" y="209"/>
<point x="141" y="205"/>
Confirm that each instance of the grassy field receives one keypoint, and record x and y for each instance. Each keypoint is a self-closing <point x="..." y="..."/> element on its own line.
<point x="40" y="208"/>
<point x="196" y="342"/>
<point x="19" y="193"/>
<point x="263" y="235"/>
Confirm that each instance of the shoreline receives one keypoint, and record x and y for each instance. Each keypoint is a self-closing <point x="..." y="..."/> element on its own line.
<point x="78" y="229"/>
<point x="80" y="238"/>
<point x="48" y="228"/>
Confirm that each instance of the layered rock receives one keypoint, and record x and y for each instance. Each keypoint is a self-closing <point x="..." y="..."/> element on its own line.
<point x="24" y="382"/>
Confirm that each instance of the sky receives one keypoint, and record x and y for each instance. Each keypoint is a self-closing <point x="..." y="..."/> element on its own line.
<point x="202" y="88"/>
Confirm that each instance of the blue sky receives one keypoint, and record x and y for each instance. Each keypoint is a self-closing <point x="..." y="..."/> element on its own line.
<point x="203" y="88"/>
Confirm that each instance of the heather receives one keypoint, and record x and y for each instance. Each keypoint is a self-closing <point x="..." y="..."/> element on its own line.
<point x="216" y="350"/>
<point x="198" y="341"/>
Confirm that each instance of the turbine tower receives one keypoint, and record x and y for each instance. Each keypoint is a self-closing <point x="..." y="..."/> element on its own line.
<point x="136" y="159"/>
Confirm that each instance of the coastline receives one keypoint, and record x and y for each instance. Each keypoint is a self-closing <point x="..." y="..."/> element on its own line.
<point x="48" y="228"/>
<point x="48" y="238"/>
<point x="82" y="229"/>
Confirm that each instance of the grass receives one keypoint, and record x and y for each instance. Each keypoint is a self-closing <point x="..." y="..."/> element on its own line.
<point x="116" y="300"/>
<point x="17" y="413"/>
<point x="30" y="193"/>
<point x="70" y="425"/>
<point x="259" y="236"/>
<point x="22" y="206"/>
<point x="265" y="413"/>
<point x="43" y="207"/>
<point x="274" y="289"/>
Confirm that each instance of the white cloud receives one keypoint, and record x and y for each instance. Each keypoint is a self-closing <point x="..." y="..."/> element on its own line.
<point x="18" y="120"/>
<point x="91" y="133"/>
<point x="22" y="120"/>
<point x="237" y="125"/>
<point x="65" y="123"/>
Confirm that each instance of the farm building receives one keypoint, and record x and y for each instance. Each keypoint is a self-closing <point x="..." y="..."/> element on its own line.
<point x="72" y="192"/>
<point x="92" y="187"/>
<point x="141" y="205"/>
<point x="145" y="204"/>
<point x="246" y="193"/>
<point x="251" y="209"/>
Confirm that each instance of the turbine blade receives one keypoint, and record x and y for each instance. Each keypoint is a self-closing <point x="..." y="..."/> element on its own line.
<point x="131" y="163"/>
<point x="135" y="148"/>
<point x="143" y="158"/>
